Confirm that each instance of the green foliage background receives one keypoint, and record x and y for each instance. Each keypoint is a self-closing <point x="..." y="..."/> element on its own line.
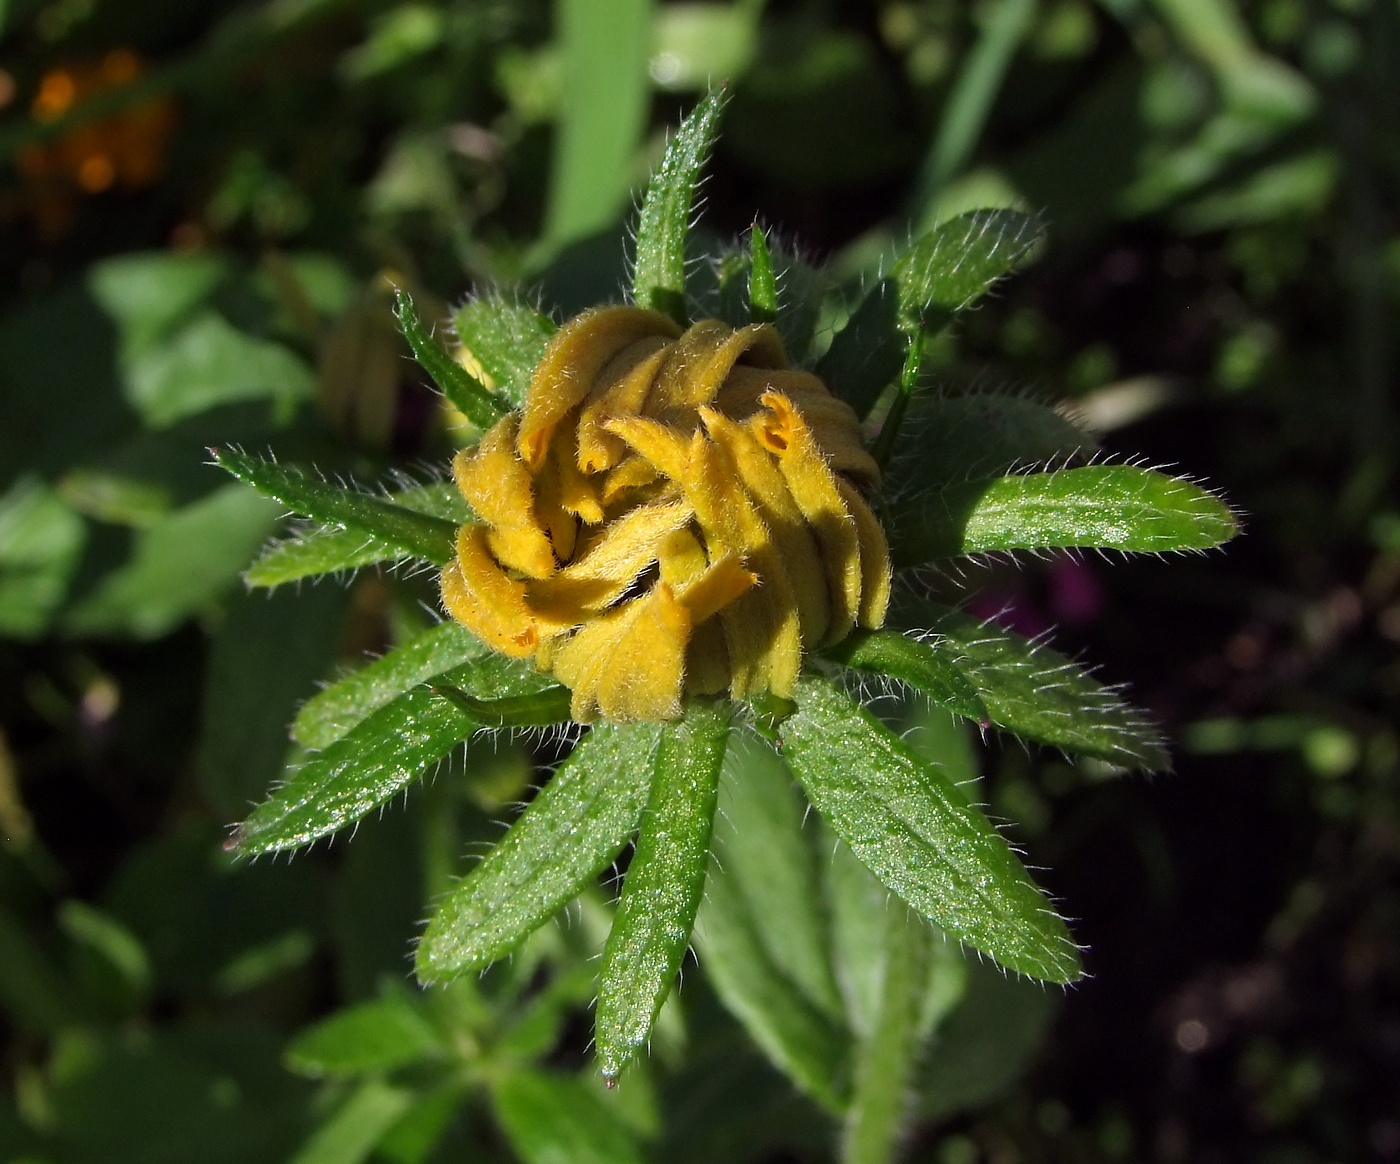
<point x="1219" y="290"/>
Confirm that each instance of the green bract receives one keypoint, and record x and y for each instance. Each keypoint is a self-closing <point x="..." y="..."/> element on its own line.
<point x="800" y="927"/>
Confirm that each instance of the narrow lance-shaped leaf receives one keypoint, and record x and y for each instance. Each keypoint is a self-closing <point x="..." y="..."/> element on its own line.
<point x="377" y="758"/>
<point x="909" y="826"/>
<point x="321" y="549"/>
<point x="505" y="337"/>
<point x="658" y="279"/>
<point x="416" y="534"/>
<point x="1038" y="694"/>
<point x="468" y="395"/>
<point x="1116" y="507"/>
<point x="566" y="836"/>
<point x="651" y="931"/>
<point x="911" y="661"/>
<point x="763" y="283"/>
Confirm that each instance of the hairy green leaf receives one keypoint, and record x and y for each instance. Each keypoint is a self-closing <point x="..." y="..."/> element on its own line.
<point x="868" y="353"/>
<point x="552" y="1119"/>
<point x="1038" y="694"/>
<point x="329" y="549"/>
<point x="763" y="283"/>
<point x="885" y="652"/>
<point x="468" y="395"/>
<point x="365" y="1039"/>
<point x="651" y="931"/>
<point x="957" y="262"/>
<point x="566" y="836"/>
<point x="362" y="769"/>
<point x="330" y="713"/>
<point x="1115" y="507"/>
<point x="658" y="278"/>
<point x="416" y="534"/>
<point x="805" y="1044"/>
<point x="907" y="823"/>
<point x="506" y="337"/>
<point x="950" y="440"/>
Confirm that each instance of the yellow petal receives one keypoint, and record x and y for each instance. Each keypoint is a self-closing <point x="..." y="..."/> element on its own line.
<point x="599" y="450"/>
<point x="813" y="485"/>
<point x="875" y="572"/>
<point x="703" y="358"/>
<point x="716" y="588"/>
<point x="645" y="673"/>
<point x="501" y="493"/>
<point x="486" y="600"/>
<point x="579" y="351"/>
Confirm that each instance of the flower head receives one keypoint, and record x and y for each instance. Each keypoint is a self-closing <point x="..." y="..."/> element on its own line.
<point x="670" y="513"/>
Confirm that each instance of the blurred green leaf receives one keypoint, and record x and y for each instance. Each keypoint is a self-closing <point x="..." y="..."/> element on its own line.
<point x="180" y="566"/>
<point x="468" y="395"/>
<point x="766" y="854"/>
<point x="351" y="1134"/>
<point x="857" y="903"/>
<point x="267" y="655"/>
<point x="421" y="1127"/>
<point x="396" y="37"/>
<point x="566" y="836"/>
<point x="915" y="663"/>
<point x="910" y="827"/>
<point x="113" y="498"/>
<point x="866" y="354"/>
<point x="658" y="275"/>
<point x="41" y="539"/>
<point x="329" y="714"/>
<point x="694" y="44"/>
<point x="885" y="1058"/>
<point x="365" y="1039"/>
<point x="34" y="993"/>
<point x="323" y="549"/>
<point x="506" y="336"/>
<point x="408" y="531"/>
<point x="606" y="44"/>
<point x="209" y="363"/>
<point x="377" y="758"/>
<point x="149" y="294"/>
<point x="1293" y="188"/>
<point x="1116" y="507"/>
<point x="1040" y="695"/>
<point x="651" y="931"/>
<point x="118" y="947"/>
<point x="551" y="1119"/>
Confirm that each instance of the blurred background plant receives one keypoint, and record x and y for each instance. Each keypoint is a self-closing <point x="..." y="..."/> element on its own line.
<point x="201" y="206"/>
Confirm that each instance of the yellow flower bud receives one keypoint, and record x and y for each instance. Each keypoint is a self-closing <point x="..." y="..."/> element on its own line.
<point x="670" y="514"/>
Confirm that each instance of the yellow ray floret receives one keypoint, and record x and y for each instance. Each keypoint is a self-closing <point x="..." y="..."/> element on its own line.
<point x="669" y="514"/>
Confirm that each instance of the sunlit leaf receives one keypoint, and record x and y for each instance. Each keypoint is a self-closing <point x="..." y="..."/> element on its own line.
<point x="651" y="931"/>
<point x="902" y="657"/>
<point x="763" y="284"/>
<point x="410" y="532"/>
<point x="658" y="277"/>
<point x="566" y="836"/>
<point x="468" y="395"/>
<point x="904" y="820"/>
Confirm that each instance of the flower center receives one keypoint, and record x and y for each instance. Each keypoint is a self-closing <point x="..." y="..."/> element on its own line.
<point x="671" y="513"/>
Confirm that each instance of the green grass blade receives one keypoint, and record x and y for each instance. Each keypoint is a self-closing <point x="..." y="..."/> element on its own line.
<point x="912" y="829"/>
<point x="803" y="1043"/>
<point x="329" y="714"/>
<point x="651" y="931"/>
<point x="911" y="661"/>
<point x="565" y="837"/>
<point x="763" y="283"/>
<point x="955" y="264"/>
<point x="605" y="47"/>
<point x="885" y="1058"/>
<point x="329" y="550"/>
<point x="868" y="353"/>
<point x="553" y="1119"/>
<point x="506" y="337"/>
<point x="658" y="278"/>
<point x="468" y="395"/>
<point x="415" y="534"/>
<point x="1114" y="507"/>
<point x="372" y="762"/>
<point x="1038" y="694"/>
